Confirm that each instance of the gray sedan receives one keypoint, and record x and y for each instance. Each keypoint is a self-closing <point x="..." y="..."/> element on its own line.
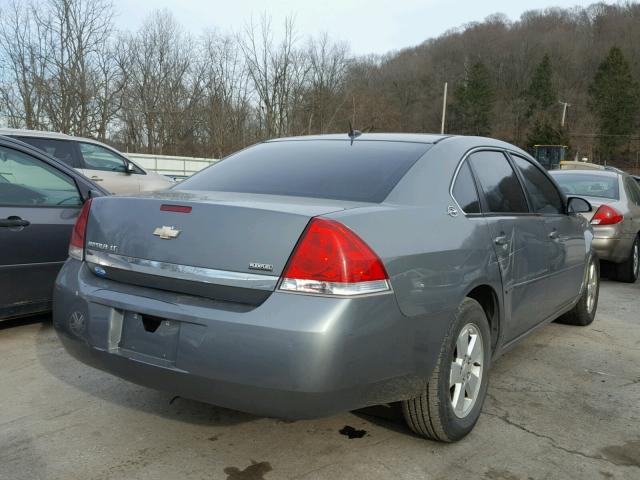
<point x="307" y="276"/>
<point x="615" y="215"/>
<point x="40" y="199"/>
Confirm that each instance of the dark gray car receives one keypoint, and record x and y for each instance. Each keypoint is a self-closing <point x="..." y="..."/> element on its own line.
<point x="40" y="199"/>
<point x="307" y="276"/>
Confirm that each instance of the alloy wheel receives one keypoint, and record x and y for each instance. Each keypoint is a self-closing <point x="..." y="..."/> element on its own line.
<point x="467" y="365"/>
<point x="592" y="286"/>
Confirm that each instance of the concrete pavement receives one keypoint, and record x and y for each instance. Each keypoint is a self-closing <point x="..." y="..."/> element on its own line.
<point x="563" y="404"/>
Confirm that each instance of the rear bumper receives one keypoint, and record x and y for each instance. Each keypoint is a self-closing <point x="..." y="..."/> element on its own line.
<point x="294" y="356"/>
<point x="612" y="248"/>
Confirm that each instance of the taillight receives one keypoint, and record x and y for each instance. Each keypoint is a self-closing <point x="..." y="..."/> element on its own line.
<point x="330" y="259"/>
<point x="76" y="246"/>
<point x="606" y="215"/>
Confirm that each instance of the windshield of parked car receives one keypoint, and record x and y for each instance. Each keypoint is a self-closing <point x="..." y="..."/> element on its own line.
<point x="588" y="184"/>
<point x="363" y="171"/>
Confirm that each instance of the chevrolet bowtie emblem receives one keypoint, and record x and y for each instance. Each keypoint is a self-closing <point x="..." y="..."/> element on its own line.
<point x="166" y="233"/>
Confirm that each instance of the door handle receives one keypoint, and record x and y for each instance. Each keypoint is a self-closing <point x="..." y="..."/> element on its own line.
<point x="13" y="222"/>
<point x="554" y="235"/>
<point x="501" y="240"/>
<point x="96" y="179"/>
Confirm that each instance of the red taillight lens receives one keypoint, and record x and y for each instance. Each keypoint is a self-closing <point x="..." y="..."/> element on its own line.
<point x="606" y="215"/>
<point x="331" y="259"/>
<point x="76" y="246"/>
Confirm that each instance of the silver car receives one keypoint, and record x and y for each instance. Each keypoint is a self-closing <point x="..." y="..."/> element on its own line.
<point x="615" y="215"/>
<point x="307" y="276"/>
<point x="102" y="164"/>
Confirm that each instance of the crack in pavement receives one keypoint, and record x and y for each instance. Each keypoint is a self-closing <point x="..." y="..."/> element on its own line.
<point x="505" y="418"/>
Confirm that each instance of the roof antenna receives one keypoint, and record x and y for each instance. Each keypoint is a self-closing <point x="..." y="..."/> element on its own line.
<point x="353" y="134"/>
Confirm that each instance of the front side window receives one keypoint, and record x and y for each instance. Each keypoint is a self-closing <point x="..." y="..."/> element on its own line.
<point x="99" y="158"/>
<point x="544" y="196"/>
<point x="501" y="188"/>
<point x="25" y="180"/>
<point x="464" y="190"/>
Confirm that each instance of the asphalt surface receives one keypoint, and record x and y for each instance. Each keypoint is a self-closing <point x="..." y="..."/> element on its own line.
<point x="563" y="404"/>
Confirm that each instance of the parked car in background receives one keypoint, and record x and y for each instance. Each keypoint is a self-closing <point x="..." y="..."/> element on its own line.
<point x="40" y="199"/>
<point x="307" y="276"/>
<point x="576" y="165"/>
<point x="615" y="215"/>
<point x="101" y="163"/>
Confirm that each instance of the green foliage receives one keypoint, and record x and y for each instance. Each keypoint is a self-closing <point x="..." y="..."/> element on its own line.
<point x="544" y="133"/>
<point x="541" y="95"/>
<point x="615" y="98"/>
<point x="474" y="101"/>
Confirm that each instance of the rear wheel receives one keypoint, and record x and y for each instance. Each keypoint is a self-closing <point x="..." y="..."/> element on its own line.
<point x="585" y="310"/>
<point x="449" y="406"/>
<point x="628" y="270"/>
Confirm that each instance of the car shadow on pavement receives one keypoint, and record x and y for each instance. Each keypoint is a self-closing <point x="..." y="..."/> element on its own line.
<point x="112" y="389"/>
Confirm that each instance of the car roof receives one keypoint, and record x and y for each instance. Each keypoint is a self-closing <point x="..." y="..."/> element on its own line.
<point x="389" y="137"/>
<point x="20" y="132"/>
<point x="587" y="171"/>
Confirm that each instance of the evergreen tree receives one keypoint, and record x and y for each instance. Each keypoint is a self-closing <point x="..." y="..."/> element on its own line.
<point x="474" y="101"/>
<point x="614" y="102"/>
<point x="544" y="133"/>
<point x="541" y="95"/>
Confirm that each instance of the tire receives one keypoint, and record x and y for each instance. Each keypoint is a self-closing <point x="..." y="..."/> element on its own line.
<point x="584" y="312"/>
<point x="431" y="414"/>
<point x="627" y="271"/>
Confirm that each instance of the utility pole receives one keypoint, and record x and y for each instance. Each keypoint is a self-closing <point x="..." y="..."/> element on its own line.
<point x="444" y="108"/>
<point x="565" y="105"/>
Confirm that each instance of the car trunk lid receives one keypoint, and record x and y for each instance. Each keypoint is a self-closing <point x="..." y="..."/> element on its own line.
<point x="225" y="246"/>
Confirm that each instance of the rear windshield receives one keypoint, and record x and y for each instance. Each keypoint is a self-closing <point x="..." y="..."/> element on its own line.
<point x="587" y="184"/>
<point x="363" y="171"/>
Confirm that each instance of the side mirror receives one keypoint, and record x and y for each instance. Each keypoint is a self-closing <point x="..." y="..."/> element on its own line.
<point x="130" y="168"/>
<point x="578" y="205"/>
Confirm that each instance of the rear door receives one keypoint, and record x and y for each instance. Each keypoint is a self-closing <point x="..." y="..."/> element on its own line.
<point x="565" y="242"/>
<point x="38" y="207"/>
<point x="519" y="240"/>
<point x="110" y="170"/>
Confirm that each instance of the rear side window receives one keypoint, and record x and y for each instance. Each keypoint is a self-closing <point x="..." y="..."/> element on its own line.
<point x="363" y="171"/>
<point x="63" y="150"/>
<point x="501" y="188"/>
<point x="464" y="190"/>
<point x="543" y="194"/>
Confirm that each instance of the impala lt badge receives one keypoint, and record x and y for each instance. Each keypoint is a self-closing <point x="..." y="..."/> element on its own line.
<point x="267" y="267"/>
<point x="166" y="233"/>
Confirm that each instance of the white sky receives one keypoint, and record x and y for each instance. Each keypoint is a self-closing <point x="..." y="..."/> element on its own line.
<point x="371" y="26"/>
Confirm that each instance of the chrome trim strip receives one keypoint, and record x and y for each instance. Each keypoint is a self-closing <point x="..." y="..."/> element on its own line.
<point x="182" y="272"/>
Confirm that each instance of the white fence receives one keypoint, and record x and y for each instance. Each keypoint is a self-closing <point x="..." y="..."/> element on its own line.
<point x="170" y="165"/>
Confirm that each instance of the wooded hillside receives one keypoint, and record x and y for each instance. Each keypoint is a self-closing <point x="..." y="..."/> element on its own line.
<point x="65" y="67"/>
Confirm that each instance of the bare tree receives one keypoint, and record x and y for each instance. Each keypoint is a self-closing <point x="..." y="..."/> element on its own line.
<point x="226" y="97"/>
<point x="161" y="89"/>
<point x="24" y="55"/>
<point x="328" y="65"/>
<point x="277" y="72"/>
